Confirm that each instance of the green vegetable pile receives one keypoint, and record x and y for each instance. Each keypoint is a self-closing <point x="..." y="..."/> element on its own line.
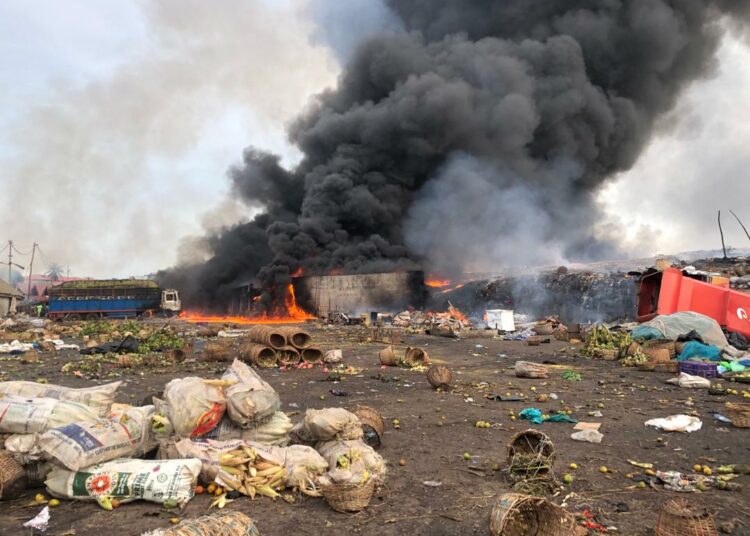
<point x="601" y="338"/>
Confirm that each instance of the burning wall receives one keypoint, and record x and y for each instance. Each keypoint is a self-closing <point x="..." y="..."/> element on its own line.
<point x="360" y="293"/>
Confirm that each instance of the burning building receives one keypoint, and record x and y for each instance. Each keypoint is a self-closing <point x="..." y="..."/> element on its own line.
<point x="360" y="293"/>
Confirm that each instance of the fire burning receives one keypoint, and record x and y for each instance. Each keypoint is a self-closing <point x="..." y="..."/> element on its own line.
<point x="291" y="314"/>
<point x="437" y="283"/>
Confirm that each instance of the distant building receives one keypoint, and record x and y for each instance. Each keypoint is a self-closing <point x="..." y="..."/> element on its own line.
<point x="9" y="298"/>
<point x="37" y="291"/>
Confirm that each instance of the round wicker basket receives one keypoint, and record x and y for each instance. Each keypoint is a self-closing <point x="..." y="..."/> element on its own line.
<point x="530" y="453"/>
<point x="349" y="497"/>
<point x="678" y="518"/>
<point x="515" y="514"/>
<point x="661" y="343"/>
<point x="12" y="476"/>
<point x="544" y="328"/>
<point x="739" y="414"/>
<point x="388" y="357"/>
<point x="439" y="377"/>
<point x="414" y="357"/>
<point x="370" y="417"/>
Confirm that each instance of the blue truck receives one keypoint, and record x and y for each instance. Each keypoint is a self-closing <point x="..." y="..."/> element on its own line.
<point x="91" y="299"/>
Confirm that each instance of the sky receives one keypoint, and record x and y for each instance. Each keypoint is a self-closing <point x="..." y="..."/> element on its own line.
<point x="119" y="120"/>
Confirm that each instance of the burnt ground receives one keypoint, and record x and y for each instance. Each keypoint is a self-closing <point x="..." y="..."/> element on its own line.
<point x="433" y="452"/>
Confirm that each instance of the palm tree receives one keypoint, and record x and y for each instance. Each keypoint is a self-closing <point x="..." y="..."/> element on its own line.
<point x="55" y="271"/>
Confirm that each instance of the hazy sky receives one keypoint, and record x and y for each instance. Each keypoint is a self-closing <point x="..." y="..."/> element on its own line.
<point x="118" y="121"/>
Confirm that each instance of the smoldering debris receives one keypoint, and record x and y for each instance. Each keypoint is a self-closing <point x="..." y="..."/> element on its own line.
<point x="573" y="296"/>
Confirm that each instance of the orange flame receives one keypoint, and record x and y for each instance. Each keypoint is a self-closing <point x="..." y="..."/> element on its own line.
<point x="298" y="272"/>
<point x="456" y="287"/>
<point x="456" y="314"/>
<point x="437" y="283"/>
<point x="292" y="314"/>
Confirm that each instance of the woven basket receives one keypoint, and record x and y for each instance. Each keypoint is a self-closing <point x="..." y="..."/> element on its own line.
<point x="388" y="357"/>
<point x="521" y="515"/>
<point x="370" y="417"/>
<point x="223" y="524"/>
<point x="534" y="340"/>
<point x="349" y="497"/>
<point x="413" y="357"/>
<point x="530" y="453"/>
<point x="657" y="355"/>
<point x="12" y="476"/>
<point x="439" y="377"/>
<point x="739" y="414"/>
<point x="312" y="355"/>
<point x="527" y="369"/>
<point x="216" y="351"/>
<point x="288" y="356"/>
<point x="561" y="333"/>
<point x="678" y="518"/>
<point x="258" y="354"/>
<point x="609" y="354"/>
<point x="661" y="343"/>
<point x="633" y="347"/>
<point x="544" y="328"/>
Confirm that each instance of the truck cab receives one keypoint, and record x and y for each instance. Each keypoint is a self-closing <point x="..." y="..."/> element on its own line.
<point x="170" y="301"/>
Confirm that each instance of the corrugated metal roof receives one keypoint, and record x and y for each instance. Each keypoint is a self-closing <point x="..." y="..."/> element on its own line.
<point x="7" y="290"/>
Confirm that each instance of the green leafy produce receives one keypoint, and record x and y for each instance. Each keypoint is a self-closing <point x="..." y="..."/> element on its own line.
<point x="601" y="338"/>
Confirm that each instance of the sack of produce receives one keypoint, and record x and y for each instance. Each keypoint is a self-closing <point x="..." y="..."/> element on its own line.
<point x="24" y="448"/>
<point x="221" y="524"/>
<point x="327" y="424"/>
<point x="160" y="481"/>
<point x="98" y="398"/>
<point x="303" y="466"/>
<point x="250" y="400"/>
<point x="85" y="443"/>
<point x="20" y="415"/>
<point x="351" y="462"/>
<point x="274" y="432"/>
<point x="193" y="406"/>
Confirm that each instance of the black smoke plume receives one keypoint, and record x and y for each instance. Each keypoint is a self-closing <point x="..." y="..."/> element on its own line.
<point x="478" y="136"/>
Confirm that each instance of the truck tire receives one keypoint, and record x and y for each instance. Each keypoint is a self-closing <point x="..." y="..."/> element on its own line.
<point x="73" y="317"/>
<point x="93" y="316"/>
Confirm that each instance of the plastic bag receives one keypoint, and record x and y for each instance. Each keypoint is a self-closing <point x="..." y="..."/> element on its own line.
<point x="688" y="380"/>
<point x="79" y="445"/>
<point x="674" y="325"/>
<point x="251" y="400"/>
<point x="589" y="436"/>
<point x="99" y="398"/>
<point x="304" y="466"/>
<point x="351" y="462"/>
<point x="327" y="424"/>
<point x="19" y="415"/>
<point x="676" y="423"/>
<point x="126" y="479"/>
<point x="192" y="406"/>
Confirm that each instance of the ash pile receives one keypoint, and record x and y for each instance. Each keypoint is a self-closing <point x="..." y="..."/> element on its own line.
<point x="584" y="296"/>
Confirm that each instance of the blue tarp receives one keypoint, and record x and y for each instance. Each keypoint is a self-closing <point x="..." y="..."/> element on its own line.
<point x="697" y="350"/>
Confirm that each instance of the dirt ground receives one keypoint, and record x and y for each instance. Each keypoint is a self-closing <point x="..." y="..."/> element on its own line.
<point x="436" y="429"/>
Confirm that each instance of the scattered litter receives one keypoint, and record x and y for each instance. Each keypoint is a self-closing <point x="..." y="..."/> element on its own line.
<point x="333" y="356"/>
<point x="676" y="423"/>
<point x="690" y="381"/>
<point x="432" y="483"/>
<point x="40" y="521"/>
<point x="588" y="436"/>
<point x="587" y="426"/>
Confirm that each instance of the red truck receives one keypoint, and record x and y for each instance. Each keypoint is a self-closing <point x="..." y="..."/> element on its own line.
<point x="663" y="292"/>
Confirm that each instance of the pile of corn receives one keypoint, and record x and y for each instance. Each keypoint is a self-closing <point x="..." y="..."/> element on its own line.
<point x="244" y="470"/>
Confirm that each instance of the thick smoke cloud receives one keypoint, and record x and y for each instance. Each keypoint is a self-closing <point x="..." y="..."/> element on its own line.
<point x="478" y="136"/>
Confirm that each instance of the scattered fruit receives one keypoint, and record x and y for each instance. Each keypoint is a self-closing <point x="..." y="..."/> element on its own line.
<point x="573" y="466"/>
<point x="467" y="456"/>
<point x="199" y="490"/>
<point x="697" y="468"/>
<point x="650" y="472"/>
<point x="707" y="470"/>
<point x="54" y="502"/>
<point x="641" y="485"/>
<point x="568" y="479"/>
<point x="402" y="462"/>
<point x="174" y="520"/>
<point x="211" y="488"/>
<point x="603" y="469"/>
<point x="115" y="503"/>
<point x="40" y="498"/>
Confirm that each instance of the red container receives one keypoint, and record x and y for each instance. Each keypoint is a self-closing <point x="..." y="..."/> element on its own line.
<point x="670" y="291"/>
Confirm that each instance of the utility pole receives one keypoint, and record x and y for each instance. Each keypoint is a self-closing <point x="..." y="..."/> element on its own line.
<point x="31" y="271"/>
<point x="10" y="260"/>
<point x="741" y="225"/>
<point x="723" y="247"/>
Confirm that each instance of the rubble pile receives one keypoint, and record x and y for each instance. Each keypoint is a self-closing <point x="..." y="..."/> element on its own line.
<point x="574" y="296"/>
